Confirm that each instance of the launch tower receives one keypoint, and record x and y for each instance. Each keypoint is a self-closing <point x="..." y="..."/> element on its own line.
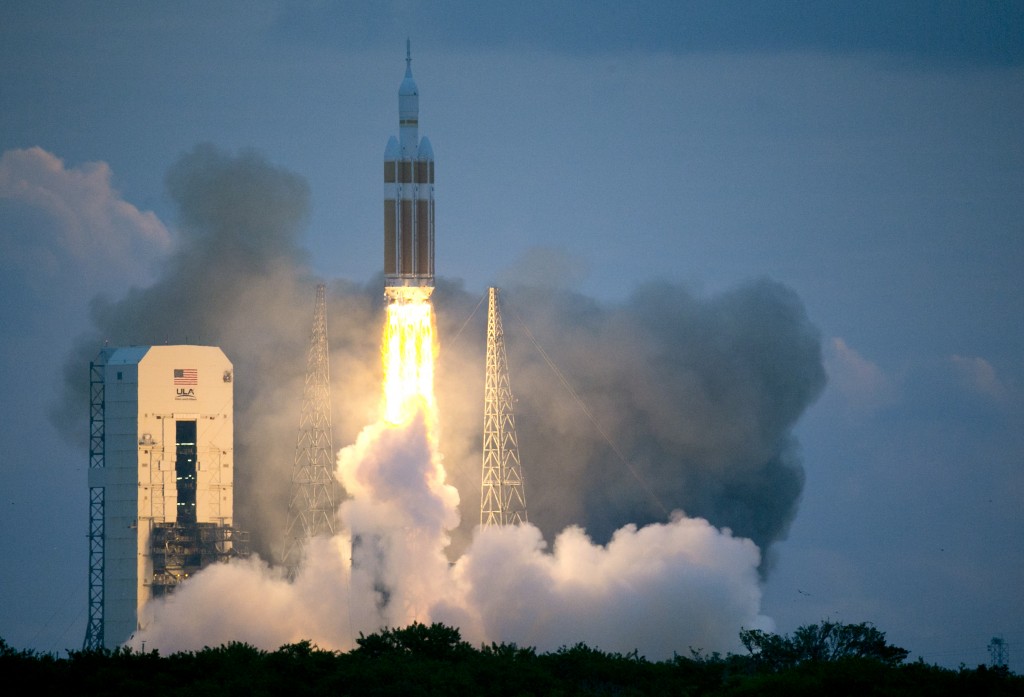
<point x="161" y="471"/>
<point x="408" y="200"/>
<point x="502" y="499"/>
<point x="312" y="506"/>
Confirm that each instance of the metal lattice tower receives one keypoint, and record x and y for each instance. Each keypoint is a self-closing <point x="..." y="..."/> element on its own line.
<point x="312" y="506"/>
<point x="94" y="629"/>
<point x="502" y="499"/>
<point x="998" y="652"/>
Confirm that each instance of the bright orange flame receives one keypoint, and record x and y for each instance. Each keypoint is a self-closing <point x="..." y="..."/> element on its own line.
<point x="408" y="356"/>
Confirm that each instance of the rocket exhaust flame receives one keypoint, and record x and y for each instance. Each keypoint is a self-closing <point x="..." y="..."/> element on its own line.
<point x="408" y="349"/>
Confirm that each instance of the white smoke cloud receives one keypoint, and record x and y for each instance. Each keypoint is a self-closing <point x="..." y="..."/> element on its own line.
<point x="660" y="589"/>
<point x="249" y="601"/>
<point x="399" y="470"/>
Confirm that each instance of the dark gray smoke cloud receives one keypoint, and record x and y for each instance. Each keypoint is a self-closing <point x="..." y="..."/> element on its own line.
<point x="628" y="411"/>
<point x="698" y="395"/>
<point x="237" y="280"/>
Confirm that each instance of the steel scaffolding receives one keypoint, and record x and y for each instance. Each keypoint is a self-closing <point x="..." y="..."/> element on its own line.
<point x="312" y="505"/>
<point x="97" y="459"/>
<point x="179" y="551"/>
<point x="502" y="499"/>
<point x="998" y="652"/>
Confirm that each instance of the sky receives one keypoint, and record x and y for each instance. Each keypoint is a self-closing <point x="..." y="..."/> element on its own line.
<point x="814" y="210"/>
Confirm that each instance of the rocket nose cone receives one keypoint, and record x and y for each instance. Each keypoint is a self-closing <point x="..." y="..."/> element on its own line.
<point x="408" y="88"/>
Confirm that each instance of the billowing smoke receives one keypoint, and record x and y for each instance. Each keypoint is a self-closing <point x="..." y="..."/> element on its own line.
<point x="655" y="436"/>
<point x="237" y="280"/>
<point x="627" y="412"/>
<point x="658" y="589"/>
<point x="665" y="401"/>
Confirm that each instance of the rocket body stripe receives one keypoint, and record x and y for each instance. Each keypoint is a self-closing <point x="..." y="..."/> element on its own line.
<point x="408" y="198"/>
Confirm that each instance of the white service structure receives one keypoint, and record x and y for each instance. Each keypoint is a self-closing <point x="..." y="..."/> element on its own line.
<point x="162" y="471"/>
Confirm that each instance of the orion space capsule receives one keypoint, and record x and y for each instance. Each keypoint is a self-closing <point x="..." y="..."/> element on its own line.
<point x="408" y="199"/>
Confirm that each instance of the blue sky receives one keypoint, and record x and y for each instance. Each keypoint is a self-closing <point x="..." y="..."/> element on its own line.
<point x="868" y="156"/>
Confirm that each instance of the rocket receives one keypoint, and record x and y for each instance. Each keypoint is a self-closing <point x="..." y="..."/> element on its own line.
<point x="408" y="200"/>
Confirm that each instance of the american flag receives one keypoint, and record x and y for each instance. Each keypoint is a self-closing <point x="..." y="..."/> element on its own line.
<point x="186" y="376"/>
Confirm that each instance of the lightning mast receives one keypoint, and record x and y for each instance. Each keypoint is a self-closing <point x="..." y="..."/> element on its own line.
<point x="502" y="499"/>
<point x="998" y="652"/>
<point x="312" y="506"/>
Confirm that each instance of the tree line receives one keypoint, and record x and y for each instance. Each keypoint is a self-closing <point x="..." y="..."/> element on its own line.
<point x="830" y="658"/>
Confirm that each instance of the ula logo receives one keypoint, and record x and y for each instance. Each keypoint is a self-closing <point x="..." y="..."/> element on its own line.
<point x="185" y="393"/>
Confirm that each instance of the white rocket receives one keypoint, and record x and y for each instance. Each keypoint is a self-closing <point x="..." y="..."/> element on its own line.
<point x="408" y="199"/>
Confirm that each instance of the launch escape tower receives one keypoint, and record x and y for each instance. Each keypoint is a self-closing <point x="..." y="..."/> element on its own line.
<point x="408" y="200"/>
<point x="502" y="499"/>
<point x="161" y="471"/>
<point x="312" y="505"/>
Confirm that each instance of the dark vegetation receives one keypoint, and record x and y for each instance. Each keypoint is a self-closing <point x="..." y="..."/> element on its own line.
<point x="826" y="659"/>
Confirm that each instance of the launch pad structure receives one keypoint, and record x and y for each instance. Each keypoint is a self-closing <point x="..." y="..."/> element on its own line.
<point x="502" y="498"/>
<point x="314" y="492"/>
<point x="161" y="479"/>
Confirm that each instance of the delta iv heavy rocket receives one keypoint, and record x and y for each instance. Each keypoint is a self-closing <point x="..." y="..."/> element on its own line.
<point x="408" y="201"/>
